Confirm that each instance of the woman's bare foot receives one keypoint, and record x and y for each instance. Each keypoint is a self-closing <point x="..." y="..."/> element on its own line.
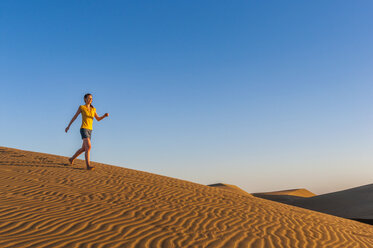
<point x="90" y="168"/>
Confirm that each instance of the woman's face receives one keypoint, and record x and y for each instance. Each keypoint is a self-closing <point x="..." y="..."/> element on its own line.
<point x="88" y="99"/>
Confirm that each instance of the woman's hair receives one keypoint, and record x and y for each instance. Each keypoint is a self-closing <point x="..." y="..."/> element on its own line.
<point x="85" y="97"/>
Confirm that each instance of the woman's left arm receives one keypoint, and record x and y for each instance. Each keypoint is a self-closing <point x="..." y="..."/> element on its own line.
<point x="98" y="118"/>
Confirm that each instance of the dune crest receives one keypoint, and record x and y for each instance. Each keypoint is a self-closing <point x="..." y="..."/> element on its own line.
<point x="293" y="192"/>
<point x="355" y="203"/>
<point x="44" y="203"/>
<point x="232" y="188"/>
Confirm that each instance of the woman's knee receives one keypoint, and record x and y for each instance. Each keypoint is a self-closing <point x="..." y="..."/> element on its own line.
<point x="88" y="148"/>
<point x="87" y="145"/>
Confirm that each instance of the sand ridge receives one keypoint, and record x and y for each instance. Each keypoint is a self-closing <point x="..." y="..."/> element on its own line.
<point x="292" y="192"/>
<point x="44" y="203"/>
<point x="229" y="187"/>
<point x="355" y="203"/>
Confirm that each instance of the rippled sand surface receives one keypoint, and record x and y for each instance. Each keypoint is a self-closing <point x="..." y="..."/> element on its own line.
<point x="44" y="203"/>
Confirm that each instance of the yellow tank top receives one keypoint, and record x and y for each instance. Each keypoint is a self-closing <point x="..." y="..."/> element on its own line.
<point x="87" y="116"/>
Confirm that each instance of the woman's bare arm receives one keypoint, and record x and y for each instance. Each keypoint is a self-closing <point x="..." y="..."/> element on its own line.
<point x="98" y="118"/>
<point x="73" y="119"/>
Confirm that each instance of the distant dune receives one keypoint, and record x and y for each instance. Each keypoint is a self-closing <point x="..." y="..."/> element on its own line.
<point x="293" y="192"/>
<point x="355" y="203"/>
<point x="229" y="187"/>
<point x="289" y="197"/>
<point x="44" y="203"/>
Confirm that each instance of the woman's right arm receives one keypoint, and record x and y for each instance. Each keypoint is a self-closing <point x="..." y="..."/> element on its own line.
<point x="73" y="119"/>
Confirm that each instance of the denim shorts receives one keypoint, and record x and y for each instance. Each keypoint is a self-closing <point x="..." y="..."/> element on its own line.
<point x="85" y="133"/>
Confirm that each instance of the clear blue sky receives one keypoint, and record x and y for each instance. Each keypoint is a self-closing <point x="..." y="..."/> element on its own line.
<point x="266" y="95"/>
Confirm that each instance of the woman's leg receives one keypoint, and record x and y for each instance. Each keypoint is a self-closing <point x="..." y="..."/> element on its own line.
<point x="78" y="152"/>
<point x="87" y="147"/>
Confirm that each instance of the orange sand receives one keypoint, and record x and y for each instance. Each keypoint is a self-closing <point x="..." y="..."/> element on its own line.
<point x="44" y="203"/>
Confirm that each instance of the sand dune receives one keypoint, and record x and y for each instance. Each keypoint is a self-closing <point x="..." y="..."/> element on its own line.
<point x="290" y="197"/>
<point x="229" y="187"/>
<point x="355" y="203"/>
<point x="292" y="192"/>
<point x="44" y="203"/>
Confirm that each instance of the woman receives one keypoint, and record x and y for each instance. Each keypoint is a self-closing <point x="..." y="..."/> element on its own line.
<point x="88" y="112"/>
